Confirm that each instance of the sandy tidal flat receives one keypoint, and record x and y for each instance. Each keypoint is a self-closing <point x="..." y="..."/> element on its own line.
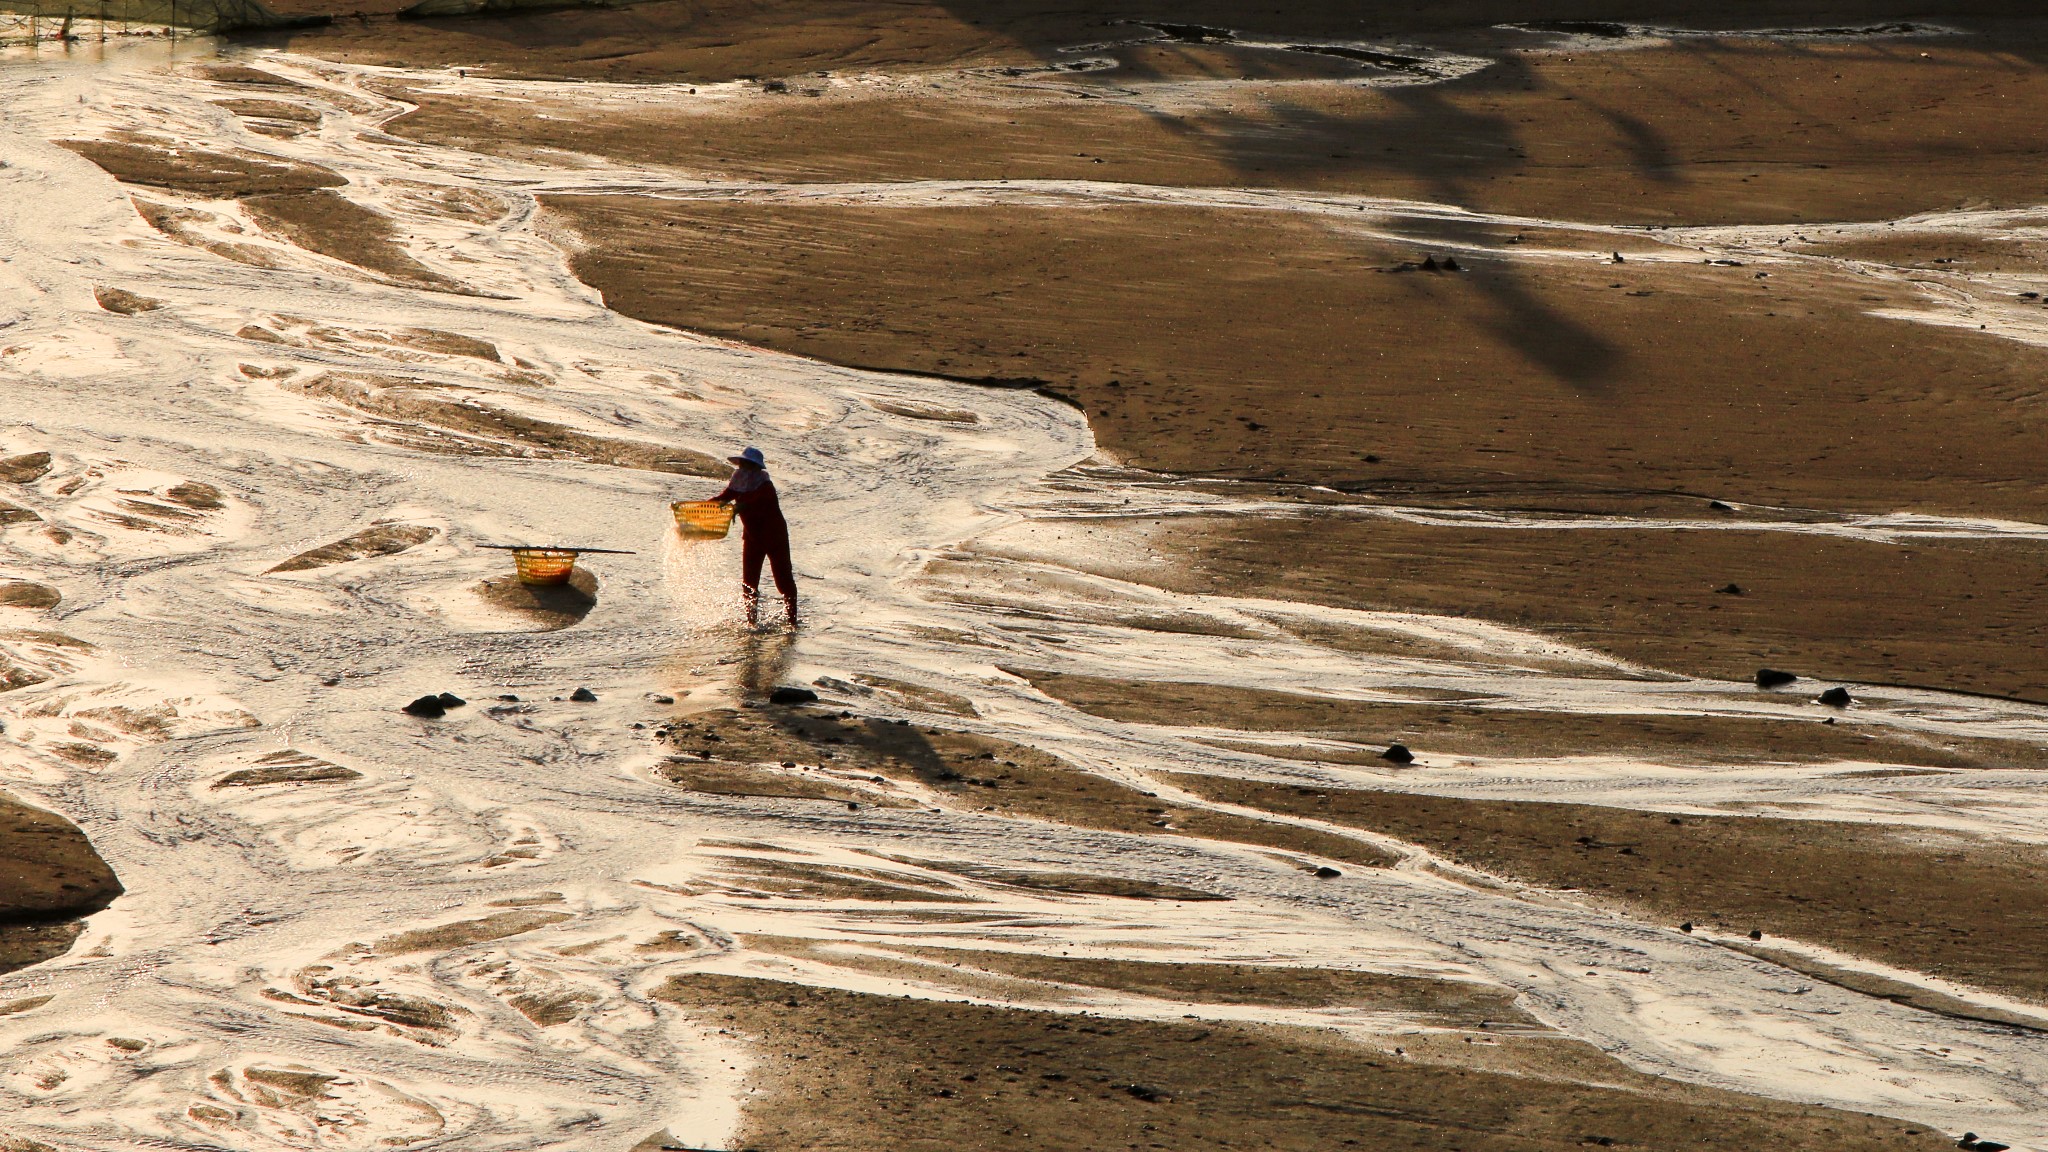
<point x="253" y="437"/>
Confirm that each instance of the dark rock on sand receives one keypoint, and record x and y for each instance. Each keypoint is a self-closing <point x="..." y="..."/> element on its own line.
<point x="1686" y="927"/>
<point x="583" y="696"/>
<point x="124" y="302"/>
<point x="790" y="695"/>
<point x="1756" y="933"/>
<point x="25" y="468"/>
<point x="1398" y="754"/>
<point x="1327" y="873"/>
<point x="427" y="706"/>
<point x="1971" y="1143"/>
<point x="1720" y="506"/>
<point x="450" y="700"/>
<point x="1429" y="264"/>
<point x="1730" y="589"/>
<point x="1451" y="264"/>
<point x="1835" y="697"/>
<point x="1772" y="678"/>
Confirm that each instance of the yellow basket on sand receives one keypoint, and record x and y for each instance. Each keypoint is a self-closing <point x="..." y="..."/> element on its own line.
<point x="544" y="565"/>
<point x="703" y="519"/>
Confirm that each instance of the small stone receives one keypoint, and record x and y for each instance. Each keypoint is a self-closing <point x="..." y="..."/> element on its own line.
<point x="427" y="706"/>
<point x="1756" y="933"/>
<point x="1398" y="754"/>
<point x="450" y="700"/>
<point x="1720" y="506"/>
<point x="792" y="695"/>
<point x="658" y="698"/>
<point x="508" y="698"/>
<point x="1772" y="678"/>
<point x="1730" y="589"/>
<point x="1618" y="259"/>
<point x="1146" y="1093"/>
<point x="1370" y="458"/>
<point x="1686" y="927"/>
<point x="1327" y="873"/>
<point x="1451" y="264"/>
<point x="1835" y="697"/>
<point x="583" y="696"/>
<point x="1429" y="264"/>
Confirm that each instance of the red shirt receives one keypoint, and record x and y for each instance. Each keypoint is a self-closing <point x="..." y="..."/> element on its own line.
<point x="759" y="510"/>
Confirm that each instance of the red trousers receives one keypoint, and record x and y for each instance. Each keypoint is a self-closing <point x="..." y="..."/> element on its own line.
<point x="774" y="548"/>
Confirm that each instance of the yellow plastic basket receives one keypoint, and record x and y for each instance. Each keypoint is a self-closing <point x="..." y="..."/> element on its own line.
<point x="703" y="519"/>
<point x="544" y="565"/>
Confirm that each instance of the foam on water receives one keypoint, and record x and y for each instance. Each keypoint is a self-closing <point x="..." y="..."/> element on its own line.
<point x="399" y="938"/>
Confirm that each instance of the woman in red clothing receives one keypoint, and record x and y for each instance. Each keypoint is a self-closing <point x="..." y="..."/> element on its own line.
<point x="764" y="534"/>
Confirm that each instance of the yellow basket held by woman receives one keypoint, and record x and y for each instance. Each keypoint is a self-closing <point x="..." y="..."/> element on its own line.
<point x="702" y="519"/>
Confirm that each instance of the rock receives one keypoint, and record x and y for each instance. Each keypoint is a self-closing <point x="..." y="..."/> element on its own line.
<point x="1618" y="259"/>
<point x="1756" y="933"/>
<point x="450" y="700"/>
<point x="658" y="698"/>
<point x="26" y="468"/>
<point x="583" y="696"/>
<point x="1429" y="264"/>
<point x="792" y="695"/>
<point x="124" y="302"/>
<point x="1451" y="264"/>
<point x="1730" y="589"/>
<point x="1398" y="754"/>
<point x="1835" y="697"/>
<point x="1720" y="506"/>
<point x="1972" y="1143"/>
<point x="427" y="706"/>
<point x="1772" y="678"/>
<point x="1327" y="873"/>
<point x="509" y="698"/>
<point x="1686" y="927"/>
<point x="1146" y="1093"/>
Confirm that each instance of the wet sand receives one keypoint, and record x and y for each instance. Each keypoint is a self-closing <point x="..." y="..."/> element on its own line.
<point x="845" y="1070"/>
<point x="532" y="857"/>
<point x="1957" y="907"/>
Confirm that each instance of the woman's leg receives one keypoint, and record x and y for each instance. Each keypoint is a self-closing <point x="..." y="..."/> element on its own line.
<point x="753" y="550"/>
<point x="785" y="574"/>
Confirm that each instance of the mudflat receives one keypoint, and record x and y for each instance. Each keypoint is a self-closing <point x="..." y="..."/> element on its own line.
<point x="849" y="1070"/>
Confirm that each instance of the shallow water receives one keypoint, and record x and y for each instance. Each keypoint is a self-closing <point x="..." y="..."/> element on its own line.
<point x="262" y="932"/>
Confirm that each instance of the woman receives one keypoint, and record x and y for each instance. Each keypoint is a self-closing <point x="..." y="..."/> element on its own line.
<point x="764" y="535"/>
